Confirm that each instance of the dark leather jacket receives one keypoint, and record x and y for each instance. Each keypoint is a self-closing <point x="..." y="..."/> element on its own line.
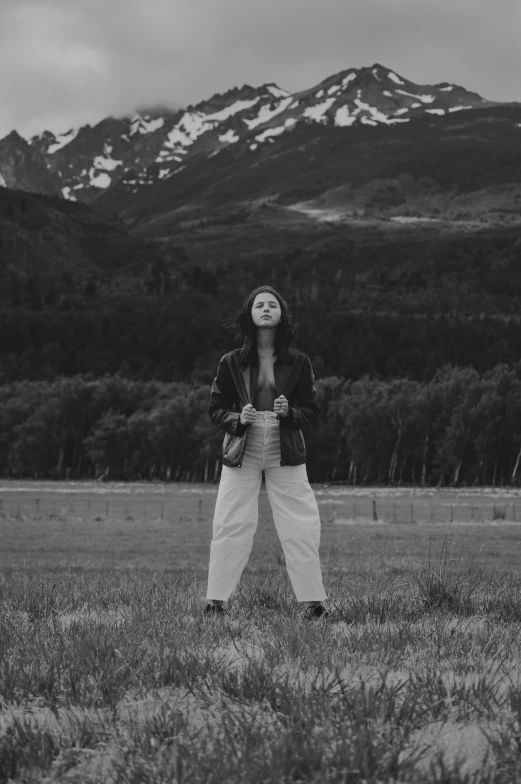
<point x="235" y="385"/>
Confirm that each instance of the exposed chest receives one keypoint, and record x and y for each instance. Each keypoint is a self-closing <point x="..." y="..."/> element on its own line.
<point x="266" y="378"/>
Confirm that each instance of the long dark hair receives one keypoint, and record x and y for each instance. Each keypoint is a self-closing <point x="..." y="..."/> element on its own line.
<point x="244" y="329"/>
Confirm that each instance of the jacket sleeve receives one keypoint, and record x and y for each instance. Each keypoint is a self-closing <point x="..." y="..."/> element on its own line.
<point x="305" y="409"/>
<point x="222" y="397"/>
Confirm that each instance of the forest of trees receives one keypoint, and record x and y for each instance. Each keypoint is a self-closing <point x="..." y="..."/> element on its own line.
<point x="183" y="339"/>
<point x="459" y="428"/>
<point x="108" y="347"/>
<point x="403" y="308"/>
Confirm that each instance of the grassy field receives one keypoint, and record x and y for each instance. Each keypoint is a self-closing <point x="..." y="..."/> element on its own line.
<point x="110" y="672"/>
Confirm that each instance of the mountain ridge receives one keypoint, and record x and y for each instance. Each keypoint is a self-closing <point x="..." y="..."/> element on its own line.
<point x="146" y="147"/>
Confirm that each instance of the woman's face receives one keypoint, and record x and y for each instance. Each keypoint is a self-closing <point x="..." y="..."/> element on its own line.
<point x="265" y="311"/>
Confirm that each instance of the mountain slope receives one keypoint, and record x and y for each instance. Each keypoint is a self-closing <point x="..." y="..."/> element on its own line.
<point x="22" y="166"/>
<point x="148" y="147"/>
<point x="436" y="166"/>
<point x="52" y="249"/>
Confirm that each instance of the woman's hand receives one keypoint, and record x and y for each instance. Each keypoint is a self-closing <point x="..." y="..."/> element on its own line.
<point x="248" y="414"/>
<point x="281" y="406"/>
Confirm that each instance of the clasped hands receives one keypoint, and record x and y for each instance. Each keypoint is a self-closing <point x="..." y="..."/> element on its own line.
<point x="280" y="407"/>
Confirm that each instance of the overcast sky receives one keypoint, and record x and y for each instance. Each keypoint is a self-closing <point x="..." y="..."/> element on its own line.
<point x="69" y="62"/>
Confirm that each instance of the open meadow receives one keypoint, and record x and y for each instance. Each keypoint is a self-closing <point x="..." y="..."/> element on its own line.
<point x="110" y="671"/>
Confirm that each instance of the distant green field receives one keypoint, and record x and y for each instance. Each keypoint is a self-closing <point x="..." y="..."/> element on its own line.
<point x="111" y="672"/>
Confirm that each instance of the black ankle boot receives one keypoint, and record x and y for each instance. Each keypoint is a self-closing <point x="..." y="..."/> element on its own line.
<point x="214" y="609"/>
<point x="316" y="611"/>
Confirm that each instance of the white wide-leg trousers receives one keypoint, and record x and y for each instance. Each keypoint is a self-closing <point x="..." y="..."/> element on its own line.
<point x="295" y="513"/>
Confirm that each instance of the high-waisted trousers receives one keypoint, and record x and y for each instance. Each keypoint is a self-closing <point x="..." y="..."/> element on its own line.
<point x="295" y="513"/>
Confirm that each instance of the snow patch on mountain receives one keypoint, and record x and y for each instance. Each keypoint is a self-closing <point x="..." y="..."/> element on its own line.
<point x="189" y="127"/>
<point x="267" y="112"/>
<point x="3" y="183"/>
<point x="106" y="164"/>
<point x="349" y="78"/>
<point x="317" y="111"/>
<point x="319" y="94"/>
<point x="194" y="124"/>
<point x="458" y="108"/>
<point x="372" y="110"/>
<point x="67" y="194"/>
<point x="276" y="131"/>
<point x="62" y="140"/>
<point x="334" y="89"/>
<point x="343" y="117"/>
<point x="422" y="98"/>
<point x="230" y="137"/>
<point x="229" y="111"/>
<point x="447" y="89"/>
<point x="395" y="78"/>
<point x="100" y="180"/>
<point x="277" y="92"/>
<point x="140" y="125"/>
<point x="435" y="111"/>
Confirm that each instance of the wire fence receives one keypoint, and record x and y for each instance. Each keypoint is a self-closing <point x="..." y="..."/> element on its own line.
<point x="92" y="508"/>
<point x="192" y="509"/>
<point x="420" y="510"/>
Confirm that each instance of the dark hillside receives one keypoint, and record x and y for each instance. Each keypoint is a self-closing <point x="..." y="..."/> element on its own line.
<point x="51" y="248"/>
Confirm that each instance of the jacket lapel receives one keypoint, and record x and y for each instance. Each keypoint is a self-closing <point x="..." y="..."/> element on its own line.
<point x="247" y="382"/>
<point x="282" y="373"/>
<point x="286" y="376"/>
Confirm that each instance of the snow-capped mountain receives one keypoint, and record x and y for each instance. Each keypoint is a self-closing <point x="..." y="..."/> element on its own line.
<point x="155" y="145"/>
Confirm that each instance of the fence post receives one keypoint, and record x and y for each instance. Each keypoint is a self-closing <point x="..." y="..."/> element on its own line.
<point x="412" y="513"/>
<point x="375" y="516"/>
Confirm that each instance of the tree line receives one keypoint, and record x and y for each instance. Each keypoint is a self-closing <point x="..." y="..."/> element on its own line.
<point x="182" y="340"/>
<point x="459" y="428"/>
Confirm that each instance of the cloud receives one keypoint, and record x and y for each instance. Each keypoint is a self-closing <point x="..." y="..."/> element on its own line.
<point x="77" y="61"/>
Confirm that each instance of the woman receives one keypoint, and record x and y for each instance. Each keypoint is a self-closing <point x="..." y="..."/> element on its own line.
<point x="263" y="393"/>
